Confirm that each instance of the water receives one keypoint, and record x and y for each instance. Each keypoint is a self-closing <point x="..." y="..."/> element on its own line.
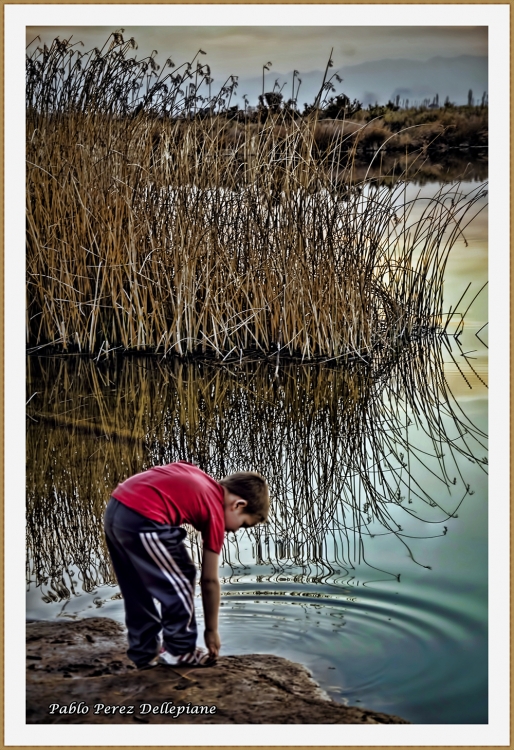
<point x="373" y="569"/>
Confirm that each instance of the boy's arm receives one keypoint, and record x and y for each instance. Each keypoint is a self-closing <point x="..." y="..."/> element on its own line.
<point x="210" y="584"/>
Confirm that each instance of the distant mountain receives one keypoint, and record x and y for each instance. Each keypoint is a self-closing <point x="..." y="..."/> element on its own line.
<point x="381" y="80"/>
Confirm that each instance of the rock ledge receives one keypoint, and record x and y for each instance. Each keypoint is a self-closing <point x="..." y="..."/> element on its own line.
<point x="83" y="661"/>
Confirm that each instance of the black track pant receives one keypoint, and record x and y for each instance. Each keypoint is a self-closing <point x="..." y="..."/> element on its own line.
<point x="151" y="562"/>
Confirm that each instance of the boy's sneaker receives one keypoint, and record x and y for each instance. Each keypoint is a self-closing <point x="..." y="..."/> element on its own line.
<point x="196" y="658"/>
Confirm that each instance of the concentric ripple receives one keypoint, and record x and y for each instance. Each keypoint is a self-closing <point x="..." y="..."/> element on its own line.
<point x="419" y="652"/>
<point x="405" y="649"/>
<point x="391" y="650"/>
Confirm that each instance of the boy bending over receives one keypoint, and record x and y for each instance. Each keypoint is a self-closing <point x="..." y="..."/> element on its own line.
<point x="145" y="542"/>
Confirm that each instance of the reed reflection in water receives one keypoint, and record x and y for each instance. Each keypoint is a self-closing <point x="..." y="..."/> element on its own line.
<point x="347" y="452"/>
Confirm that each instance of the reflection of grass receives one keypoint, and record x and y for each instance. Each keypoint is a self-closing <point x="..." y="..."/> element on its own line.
<point x="422" y="170"/>
<point x="334" y="443"/>
<point x="194" y="235"/>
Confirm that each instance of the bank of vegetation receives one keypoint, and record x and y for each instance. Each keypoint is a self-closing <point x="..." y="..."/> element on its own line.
<point x="160" y="220"/>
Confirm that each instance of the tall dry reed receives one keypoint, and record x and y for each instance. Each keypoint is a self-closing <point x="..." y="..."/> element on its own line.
<point x="152" y="228"/>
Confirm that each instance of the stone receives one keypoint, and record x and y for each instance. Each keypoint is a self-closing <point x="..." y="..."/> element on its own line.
<point x="84" y="677"/>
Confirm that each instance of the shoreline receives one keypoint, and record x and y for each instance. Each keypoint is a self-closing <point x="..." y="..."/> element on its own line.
<point x="78" y="673"/>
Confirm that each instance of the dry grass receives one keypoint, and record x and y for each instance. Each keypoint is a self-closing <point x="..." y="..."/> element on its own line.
<point x="147" y="236"/>
<point x="190" y="235"/>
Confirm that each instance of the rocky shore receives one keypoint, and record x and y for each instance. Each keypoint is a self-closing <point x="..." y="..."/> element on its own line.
<point x="77" y="673"/>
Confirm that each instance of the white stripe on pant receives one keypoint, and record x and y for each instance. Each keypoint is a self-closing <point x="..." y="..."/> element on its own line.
<point x="169" y="568"/>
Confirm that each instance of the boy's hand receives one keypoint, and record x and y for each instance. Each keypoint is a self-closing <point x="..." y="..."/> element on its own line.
<point x="213" y="643"/>
<point x="210" y="584"/>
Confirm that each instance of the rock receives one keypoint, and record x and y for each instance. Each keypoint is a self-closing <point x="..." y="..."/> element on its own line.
<point x="82" y="663"/>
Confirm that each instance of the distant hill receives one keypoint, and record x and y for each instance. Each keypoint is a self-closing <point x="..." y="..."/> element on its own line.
<point x="382" y="80"/>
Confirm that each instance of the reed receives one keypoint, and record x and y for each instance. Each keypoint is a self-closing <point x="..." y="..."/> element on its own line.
<point x="340" y="447"/>
<point x="156" y="223"/>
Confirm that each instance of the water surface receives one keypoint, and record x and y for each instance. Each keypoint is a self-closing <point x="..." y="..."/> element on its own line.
<point x="373" y="569"/>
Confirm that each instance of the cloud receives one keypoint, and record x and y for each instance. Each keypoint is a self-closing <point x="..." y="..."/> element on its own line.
<point x="243" y="50"/>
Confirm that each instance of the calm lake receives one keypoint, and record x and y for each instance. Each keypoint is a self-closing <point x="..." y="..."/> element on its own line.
<point x="373" y="568"/>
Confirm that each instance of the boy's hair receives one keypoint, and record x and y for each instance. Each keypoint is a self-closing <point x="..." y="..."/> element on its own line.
<point x="252" y="487"/>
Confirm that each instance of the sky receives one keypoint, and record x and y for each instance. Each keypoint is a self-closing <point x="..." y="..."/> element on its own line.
<point x="243" y="50"/>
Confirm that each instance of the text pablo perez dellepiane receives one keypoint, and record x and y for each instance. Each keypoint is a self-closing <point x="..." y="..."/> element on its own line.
<point x="144" y="708"/>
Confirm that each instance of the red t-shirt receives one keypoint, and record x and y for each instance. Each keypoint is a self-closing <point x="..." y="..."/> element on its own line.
<point x="175" y="494"/>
